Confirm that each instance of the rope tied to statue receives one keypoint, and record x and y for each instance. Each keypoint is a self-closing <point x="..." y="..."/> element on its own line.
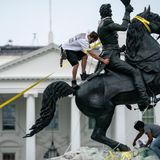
<point x="144" y="21"/>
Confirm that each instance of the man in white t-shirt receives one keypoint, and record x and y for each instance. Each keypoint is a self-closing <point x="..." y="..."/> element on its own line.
<point x="76" y="49"/>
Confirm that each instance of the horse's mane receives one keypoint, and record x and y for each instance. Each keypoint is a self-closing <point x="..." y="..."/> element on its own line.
<point x="136" y="32"/>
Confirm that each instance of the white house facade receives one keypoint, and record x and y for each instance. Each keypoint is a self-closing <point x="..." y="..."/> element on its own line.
<point x="70" y="128"/>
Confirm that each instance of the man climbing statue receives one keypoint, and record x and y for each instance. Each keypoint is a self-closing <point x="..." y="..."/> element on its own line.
<point x="107" y="32"/>
<point x="75" y="49"/>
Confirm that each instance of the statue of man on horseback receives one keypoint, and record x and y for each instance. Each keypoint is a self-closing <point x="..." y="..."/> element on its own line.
<point x="119" y="86"/>
<point x="107" y="32"/>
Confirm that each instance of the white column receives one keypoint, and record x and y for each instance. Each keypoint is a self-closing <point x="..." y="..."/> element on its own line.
<point x="120" y="124"/>
<point x="30" y="120"/>
<point x="75" y="126"/>
<point x="156" y="114"/>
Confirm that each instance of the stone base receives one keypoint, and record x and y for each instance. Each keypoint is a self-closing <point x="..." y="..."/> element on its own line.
<point x="86" y="153"/>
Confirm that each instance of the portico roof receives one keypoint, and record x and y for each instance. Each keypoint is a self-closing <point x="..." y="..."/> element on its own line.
<point x="37" y="64"/>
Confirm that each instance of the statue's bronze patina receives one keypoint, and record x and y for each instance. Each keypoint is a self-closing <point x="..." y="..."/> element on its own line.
<point x="98" y="97"/>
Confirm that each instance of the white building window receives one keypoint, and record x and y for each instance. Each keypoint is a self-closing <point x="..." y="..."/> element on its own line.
<point x="8" y="156"/>
<point x="8" y="117"/>
<point x="148" y="116"/>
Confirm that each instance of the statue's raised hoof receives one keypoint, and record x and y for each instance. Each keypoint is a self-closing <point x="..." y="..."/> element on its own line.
<point x="123" y="147"/>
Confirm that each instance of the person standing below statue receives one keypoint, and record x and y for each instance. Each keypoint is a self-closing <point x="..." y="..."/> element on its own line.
<point x="75" y="50"/>
<point x="152" y="131"/>
<point x="107" y="33"/>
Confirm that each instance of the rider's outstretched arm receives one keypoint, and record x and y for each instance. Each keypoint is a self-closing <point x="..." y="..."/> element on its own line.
<point x="125" y="22"/>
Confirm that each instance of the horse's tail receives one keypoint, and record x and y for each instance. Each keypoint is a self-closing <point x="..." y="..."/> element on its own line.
<point x="51" y="94"/>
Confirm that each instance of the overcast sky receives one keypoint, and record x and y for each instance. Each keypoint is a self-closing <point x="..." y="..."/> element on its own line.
<point x="21" y="18"/>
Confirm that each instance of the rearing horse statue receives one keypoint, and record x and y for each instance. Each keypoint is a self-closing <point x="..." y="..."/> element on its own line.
<point x="98" y="97"/>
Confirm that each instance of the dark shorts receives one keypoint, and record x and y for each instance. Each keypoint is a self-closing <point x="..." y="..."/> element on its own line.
<point x="74" y="56"/>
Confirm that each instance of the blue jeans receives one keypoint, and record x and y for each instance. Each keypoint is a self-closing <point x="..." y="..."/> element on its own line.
<point x="155" y="146"/>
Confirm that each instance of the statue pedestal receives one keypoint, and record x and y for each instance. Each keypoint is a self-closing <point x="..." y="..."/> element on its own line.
<point x="86" y="153"/>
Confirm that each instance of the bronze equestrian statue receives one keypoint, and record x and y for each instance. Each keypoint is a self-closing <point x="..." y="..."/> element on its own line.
<point x="107" y="32"/>
<point x="98" y="97"/>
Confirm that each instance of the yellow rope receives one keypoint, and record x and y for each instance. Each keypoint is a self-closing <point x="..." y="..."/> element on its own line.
<point x="144" y="21"/>
<point x="24" y="91"/>
<point x="93" y="46"/>
<point x="121" y="155"/>
<point x="36" y="83"/>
